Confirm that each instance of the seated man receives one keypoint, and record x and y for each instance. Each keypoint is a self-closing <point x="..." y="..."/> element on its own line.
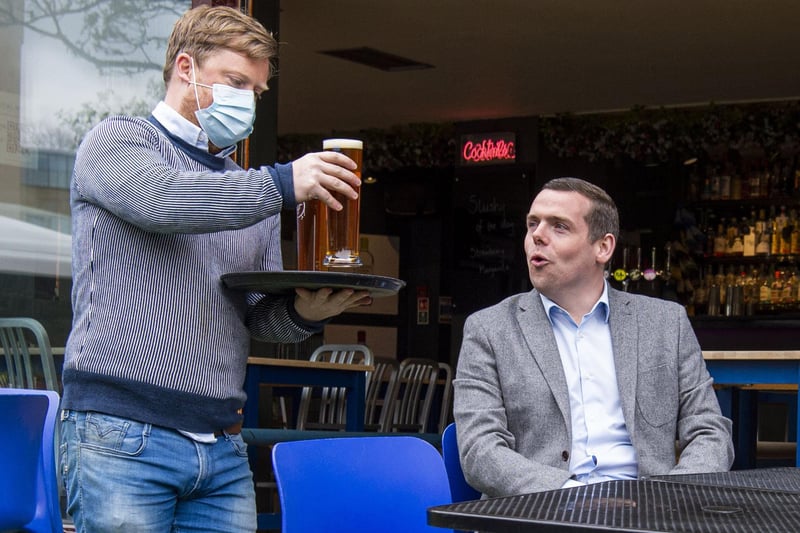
<point x="575" y="382"/>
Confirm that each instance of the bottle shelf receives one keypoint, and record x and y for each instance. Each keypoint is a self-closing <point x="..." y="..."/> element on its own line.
<point x="749" y="259"/>
<point x="744" y="203"/>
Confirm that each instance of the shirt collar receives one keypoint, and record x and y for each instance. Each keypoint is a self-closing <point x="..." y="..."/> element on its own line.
<point x="185" y="130"/>
<point x="601" y="306"/>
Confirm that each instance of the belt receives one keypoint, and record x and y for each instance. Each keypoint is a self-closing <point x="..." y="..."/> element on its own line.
<point x="234" y="429"/>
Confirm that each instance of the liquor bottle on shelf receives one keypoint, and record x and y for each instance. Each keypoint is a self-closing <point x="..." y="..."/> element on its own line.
<point x="751" y="292"/>
<point x="795" y="294"/>
<point x="787" y="290"/>
<point x="749" y="237"/>
<point x="764" y="288"/>
<point x="736" y="185"/>
<point x="774" y="235"/>
<point x="762" y="235"/>
<point x="730" y="276"/>
<point x="710" y="235"/>
<point x="776" y="289"/>
<point x="784" y="172"/>
<point x="765" y="181"/>
<point x="796" y="188"/>
<point x="715" y="184"/>
<point x="715" y="293"/>
<point x="735" y="246"/>
<point x="724" y="186"/>
<point x="781" y="221"/>
<point x="721" y="239"/>
<point x="755" y="182"/>
<point x="701" y="293"/>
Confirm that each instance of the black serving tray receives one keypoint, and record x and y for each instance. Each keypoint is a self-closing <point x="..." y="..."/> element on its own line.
<point x="283" y="281"/>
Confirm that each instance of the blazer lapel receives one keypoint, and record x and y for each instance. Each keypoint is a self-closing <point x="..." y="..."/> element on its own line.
<point x="624" y="339"/>
<point x="538" y="334"/>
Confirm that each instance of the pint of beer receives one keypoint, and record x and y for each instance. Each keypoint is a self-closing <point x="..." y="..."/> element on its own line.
<point x="343" y="226"/>
<point x="312" y="235"/>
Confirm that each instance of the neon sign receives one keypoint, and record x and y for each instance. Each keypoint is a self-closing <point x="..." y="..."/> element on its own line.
<point x="488" y="149"/>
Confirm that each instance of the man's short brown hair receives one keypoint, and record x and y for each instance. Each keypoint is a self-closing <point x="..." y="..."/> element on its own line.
<point x="204" y="30"/>
<point x="602" y="217"/>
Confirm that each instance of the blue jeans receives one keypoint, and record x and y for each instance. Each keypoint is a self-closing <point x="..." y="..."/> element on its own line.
<point x="123" y="475"/>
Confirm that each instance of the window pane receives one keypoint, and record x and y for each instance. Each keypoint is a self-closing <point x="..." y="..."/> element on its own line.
<point x="65" y="65"/>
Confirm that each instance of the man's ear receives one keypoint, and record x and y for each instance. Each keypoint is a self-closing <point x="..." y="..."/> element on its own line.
<point x="183" y="67"/>
<point x="605" y="248"/>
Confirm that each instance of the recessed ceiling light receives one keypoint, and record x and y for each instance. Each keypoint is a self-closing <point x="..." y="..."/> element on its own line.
<point x="374" y="58"/>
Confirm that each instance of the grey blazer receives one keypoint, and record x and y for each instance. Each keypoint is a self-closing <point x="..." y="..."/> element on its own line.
<point x="511" y="404"/>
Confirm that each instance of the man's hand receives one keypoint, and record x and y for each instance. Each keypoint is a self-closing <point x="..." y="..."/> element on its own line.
<point x="317" y="175"/>
<point x="325" y="303"/>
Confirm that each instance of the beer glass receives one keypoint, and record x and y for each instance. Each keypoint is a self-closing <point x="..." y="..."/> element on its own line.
<point x="343" y="226"/>
<point x="312" y="235"/>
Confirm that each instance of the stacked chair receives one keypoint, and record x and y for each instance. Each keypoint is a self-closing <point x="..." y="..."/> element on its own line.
<point x="325" y="407"/>
<point x="27" y="355"/>
<point x="445" y="384"/>
<point x="413" y="395"/>
<point x="381" y="385"/>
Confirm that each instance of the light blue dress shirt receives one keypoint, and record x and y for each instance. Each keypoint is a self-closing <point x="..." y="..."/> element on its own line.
<point x="601" y="444"/>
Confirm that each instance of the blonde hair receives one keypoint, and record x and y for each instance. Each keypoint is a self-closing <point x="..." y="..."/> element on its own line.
<point x="204" y="30"/>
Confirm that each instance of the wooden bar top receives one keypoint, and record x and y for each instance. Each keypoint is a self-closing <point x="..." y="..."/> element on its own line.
<point x="752" y="355"/>
<point x="300" y="363"/>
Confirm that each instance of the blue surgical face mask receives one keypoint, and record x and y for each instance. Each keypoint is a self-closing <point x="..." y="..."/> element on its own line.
<point x="230" y="117"/>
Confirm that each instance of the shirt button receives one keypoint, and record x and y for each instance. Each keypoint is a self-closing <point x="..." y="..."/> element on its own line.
<point x="565" y="455"/>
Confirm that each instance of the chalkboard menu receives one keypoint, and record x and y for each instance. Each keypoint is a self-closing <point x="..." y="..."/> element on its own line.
<point x="489" y="228"/>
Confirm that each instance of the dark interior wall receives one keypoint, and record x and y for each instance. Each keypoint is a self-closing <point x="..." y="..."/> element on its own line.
<point x="411" y="204"/>
<point x="485" y="227"/>
<point x="646" y="196"/>
<point x="264" y="139"/>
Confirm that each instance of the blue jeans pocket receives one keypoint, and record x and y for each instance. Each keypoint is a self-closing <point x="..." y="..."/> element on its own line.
<point x="238" y="444"/>
<point x="113" y="435"/>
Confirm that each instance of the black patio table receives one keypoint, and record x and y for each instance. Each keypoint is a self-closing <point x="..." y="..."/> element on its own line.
<point x="785" y="479"/>
<point x="692" y="504"/>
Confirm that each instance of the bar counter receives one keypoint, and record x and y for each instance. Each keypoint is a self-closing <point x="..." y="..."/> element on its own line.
<point x="758" y="332"/>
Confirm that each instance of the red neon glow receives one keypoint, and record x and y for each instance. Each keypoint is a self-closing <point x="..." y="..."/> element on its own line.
<point x="488" y="150"/>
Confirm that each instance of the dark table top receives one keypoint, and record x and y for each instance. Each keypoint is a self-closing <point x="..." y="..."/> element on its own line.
<point x="783" y="479"/>
<point x="634" y="506"/>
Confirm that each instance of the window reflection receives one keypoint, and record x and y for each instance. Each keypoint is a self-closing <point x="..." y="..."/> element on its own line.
<point x="65" y="65"/>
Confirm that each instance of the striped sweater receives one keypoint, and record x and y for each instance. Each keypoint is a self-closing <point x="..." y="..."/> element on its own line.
<point x="156" y="337"/>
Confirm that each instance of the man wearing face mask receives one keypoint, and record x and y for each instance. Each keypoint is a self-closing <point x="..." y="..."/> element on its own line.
<point x="156" y="358"/>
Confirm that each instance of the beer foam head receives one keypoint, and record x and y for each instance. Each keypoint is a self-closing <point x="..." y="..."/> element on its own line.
<point x="352" y="144"/>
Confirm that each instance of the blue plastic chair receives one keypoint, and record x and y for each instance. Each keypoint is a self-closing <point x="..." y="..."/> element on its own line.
<point x="375" y="484"/>
<point x="459" y="488"/>
<point x="27" y="460"/>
